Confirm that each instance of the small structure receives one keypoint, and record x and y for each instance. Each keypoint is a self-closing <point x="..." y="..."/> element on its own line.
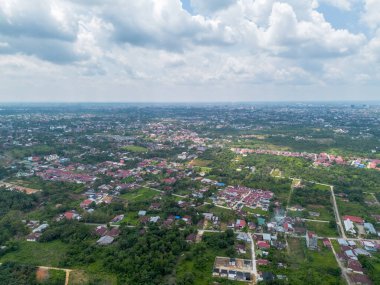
<point x="349" y="227"/>
<point x="311" y="240"/>
<point x="105" y="240"/>
<point x="369" y="228"/>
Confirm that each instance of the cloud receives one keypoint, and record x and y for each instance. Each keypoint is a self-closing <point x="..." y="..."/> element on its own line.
<point x="345" y="5"/>
<point x="221" y="42"/>
<point x="210" y="6"/>
<point x="39" y="19"/>
<point x="371" y="14"/>
<point x="162" y="24"/>
<point x="288" y="36"/>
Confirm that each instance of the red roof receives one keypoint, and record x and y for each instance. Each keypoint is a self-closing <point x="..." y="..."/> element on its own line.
<point x="263" y="244"/>
<point x="262" y="262"/>
<point x="354" y="219"/>
<point x="326" y="242"/>
<point x="69" y="215"/>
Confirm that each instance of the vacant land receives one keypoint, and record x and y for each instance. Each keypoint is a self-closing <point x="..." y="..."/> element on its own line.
<point x="317" y="203"/>
<point x="200" y="162"/>
<point x="356" y="209"/>
<point x="322" y="229"/>
<point x="198" y="263"/>
<point x="80" y="277"/>
<point x="142" y="194"/>
<point x="38" y="254"/>
<point x="135" y="148"/>
<point x="312" y="266"/>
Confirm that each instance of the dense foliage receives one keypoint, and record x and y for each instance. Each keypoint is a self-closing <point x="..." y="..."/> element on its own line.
<point x="14" y="274"/>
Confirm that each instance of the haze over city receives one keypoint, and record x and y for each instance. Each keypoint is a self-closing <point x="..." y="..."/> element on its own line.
<point x="189" y="50"/>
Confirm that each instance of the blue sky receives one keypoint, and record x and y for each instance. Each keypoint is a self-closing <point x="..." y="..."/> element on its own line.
<point x="189" y="50"/>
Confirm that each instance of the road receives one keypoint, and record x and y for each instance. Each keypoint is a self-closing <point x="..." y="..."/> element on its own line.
<point x="68" y="271"/>
<point x="344" y="270"/>
<point x="158" y="190"/>
<point x="253" y="257"/>
<point x="336" y="212"/>
<point x="317" y="221"/>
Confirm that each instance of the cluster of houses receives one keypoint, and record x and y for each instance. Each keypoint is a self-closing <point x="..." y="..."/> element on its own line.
<point x="348" y="255"/>
<point x="323" y="159"/>
<point x="354" y="223"/>
<point x="37" y="229"/>
<point x="233" y="268"/>
<point x="236" y="197"/>
<point x="107" y="236"/>
<point x="63" y="175"/>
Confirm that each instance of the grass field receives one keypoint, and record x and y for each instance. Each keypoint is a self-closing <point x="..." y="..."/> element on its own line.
<point x="200" y="162"/>
<point x="142" y="194"/>
<point x="255" y="211"/>
<point x="296" y="250"/>
<point x="356" y="209"/>
<point x="202" y="274"/>
<point x="135" y="148"/>
<point x="303" y="260"/>
<point x="223" y="214"/>
<point x="131" y="218"/>
<point x="321" y="187"/>
<point x="203" y="169"/>
<point x="325" y="213"/>
<point x="55" y="277"/>
<point x="321" y="229"/>
<point x="38" y="254"/>
<point x="80" y="277"/>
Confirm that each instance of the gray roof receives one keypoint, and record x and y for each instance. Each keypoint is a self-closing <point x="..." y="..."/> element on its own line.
<point x="105" y="240"/>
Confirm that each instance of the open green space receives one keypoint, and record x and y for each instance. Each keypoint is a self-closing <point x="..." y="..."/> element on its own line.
<point x="81" y="277"/>
<point x="356" y="209"/>
<point x="224" y="214"/>
<point x="38" y="254"/>
<point x="322" y="229"/>
<point x="54" y="277"/>
<point x="312" y="266"/>
<point x="135" y="148"/>
<point x="142" y="194"/>
<point x="131" y="218"/>
<point x="197" y="263"/>
<point x="200" y="162"/>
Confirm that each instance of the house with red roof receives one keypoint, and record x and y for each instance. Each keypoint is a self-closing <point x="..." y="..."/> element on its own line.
<point x="240" y="224"/>
<point x="86" y="203"/>
<point x="71" y="215"/>
<point x="327" y="243"/>
<point x="263" y="245"/>
<point x="354" y="219"/>
<point x="262" y="262"/>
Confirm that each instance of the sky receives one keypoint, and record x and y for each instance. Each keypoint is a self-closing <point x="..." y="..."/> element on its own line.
<point x="189" y="50"/>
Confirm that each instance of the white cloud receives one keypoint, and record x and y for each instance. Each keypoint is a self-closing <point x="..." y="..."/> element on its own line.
<point x="371" y="14"/>
<point x="345" y="5"/>
<point x="222" y="42"/>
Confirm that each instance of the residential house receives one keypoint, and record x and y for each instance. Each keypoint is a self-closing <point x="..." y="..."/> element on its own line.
<point x="311" y="240"/>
